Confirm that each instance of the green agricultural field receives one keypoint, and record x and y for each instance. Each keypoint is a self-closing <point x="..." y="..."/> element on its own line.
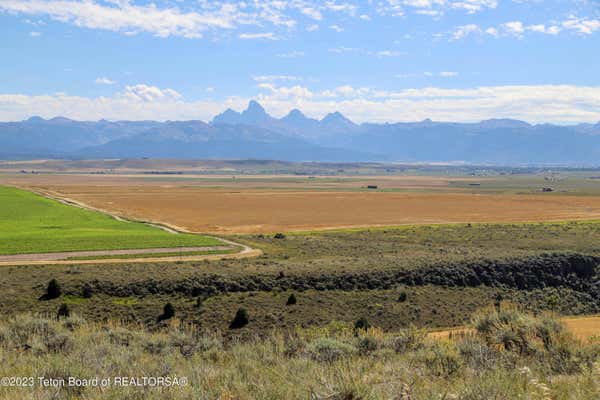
<point x="30" y="223"/>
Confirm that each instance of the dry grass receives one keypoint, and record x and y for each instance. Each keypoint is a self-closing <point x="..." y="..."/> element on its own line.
<point x="333" y="362"/>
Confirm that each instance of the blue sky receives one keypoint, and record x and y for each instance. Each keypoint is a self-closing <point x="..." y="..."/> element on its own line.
<point x="380" y="60"/>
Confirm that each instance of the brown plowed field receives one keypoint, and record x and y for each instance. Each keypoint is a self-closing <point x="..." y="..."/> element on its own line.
<point x="244" y="210"/>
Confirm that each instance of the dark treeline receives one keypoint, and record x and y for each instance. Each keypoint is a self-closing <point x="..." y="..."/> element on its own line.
<point x="573" y="271"/>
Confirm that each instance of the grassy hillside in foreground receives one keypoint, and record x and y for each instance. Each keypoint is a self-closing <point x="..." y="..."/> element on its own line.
<point x="30" y="223"/>
<point x="509" y="355"/>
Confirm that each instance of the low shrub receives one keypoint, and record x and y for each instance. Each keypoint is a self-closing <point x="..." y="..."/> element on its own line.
<point x="291" y="300"/>
<point x="440" y="359"/>
<point x="63" y="311"/>
<point x="168" y="312"/>
<point x="53" y="290"/>
<point x="240" y="320"/>
<point x="329" y="350"/>
<point x="402" y="297"/>
<point x="367" y="344"/>
<point x="409" y="339"/>
<point x="362" y="324"/>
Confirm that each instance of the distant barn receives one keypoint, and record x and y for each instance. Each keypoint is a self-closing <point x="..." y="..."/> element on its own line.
<point x="372" y="187"/>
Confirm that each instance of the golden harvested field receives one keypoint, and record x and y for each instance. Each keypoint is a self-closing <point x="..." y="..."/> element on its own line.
<point x="584" y="328"/>
<point x="279" y="203"/>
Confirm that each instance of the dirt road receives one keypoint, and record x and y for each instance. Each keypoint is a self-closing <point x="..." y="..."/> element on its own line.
<point x="103" y="253"/>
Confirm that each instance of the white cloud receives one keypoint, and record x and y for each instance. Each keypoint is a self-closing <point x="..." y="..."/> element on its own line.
<point x="434" y="8"/>
<point x="492" y="32"/>
<point x="163" y="21"/>
<point x="448" y="74"/>
<point x="343" y="49"/>
<point x="514" y="28"/>
<point x="146" y="93"/>
<point x="344" y="7"/>
<point x="285" y="93"/>
<point x="582" y="25"/>
<point x="336" y="28"/>
<point x="312" y="12"/>
<point x="35" y="34"/>
<point x="518" y="29"/>
<point x="125" y="17"/>
<point x="388" y="53"/>
<point x="472" y="6"/>
<point x="463" y="31"/>
<point x="534" y="103"/>
<point x="428" y="74"/>
<point x="380" y="53"/>
<point x="273" y="78"/>
<point x="104" y="81"/>
<point x="261" y="35"/>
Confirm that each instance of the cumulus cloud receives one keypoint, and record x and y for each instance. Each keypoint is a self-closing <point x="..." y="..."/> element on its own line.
<point x="514" y="28"/>
<point x="583" y="26"/>
<point x="533" y="103"/>
<point x="146" y="93"/>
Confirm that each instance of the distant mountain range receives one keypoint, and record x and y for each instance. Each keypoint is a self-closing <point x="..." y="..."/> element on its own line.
<point x="255" y="134"/>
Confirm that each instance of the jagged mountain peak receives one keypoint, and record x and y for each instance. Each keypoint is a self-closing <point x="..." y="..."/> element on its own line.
<point x="255" y="113"/>
<point x="336" y="118"/>
<point x="254" y="106"/>
<point x="295" y="116"/>
<point x="228" y="116"/>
